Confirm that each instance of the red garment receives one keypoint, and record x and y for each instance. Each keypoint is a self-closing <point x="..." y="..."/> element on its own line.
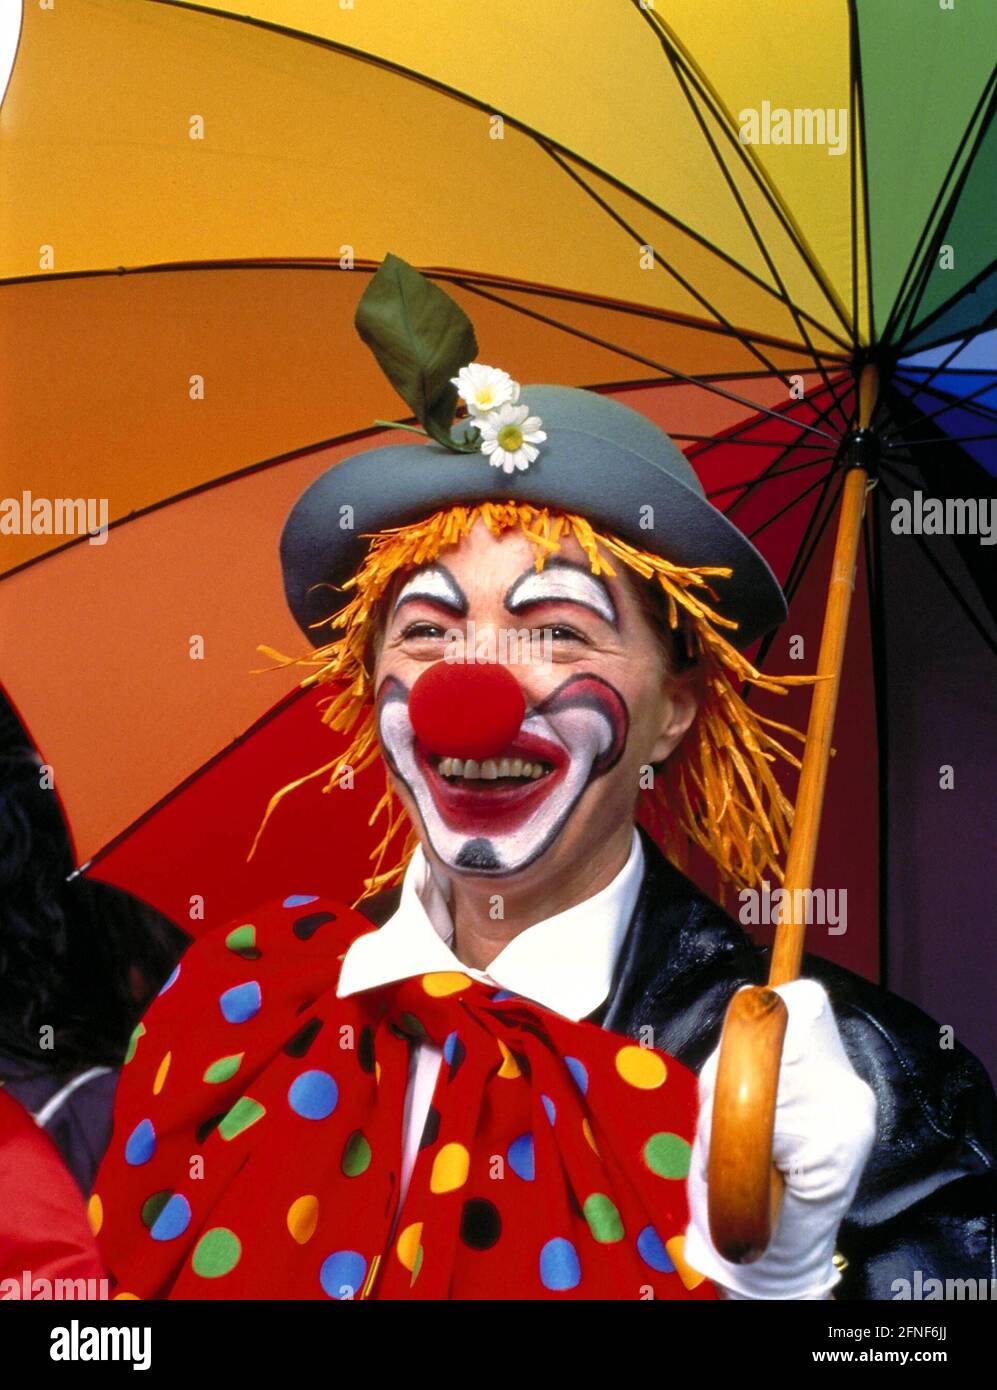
<point x="44" y="1236"/>
<point x="258" y="1132"/>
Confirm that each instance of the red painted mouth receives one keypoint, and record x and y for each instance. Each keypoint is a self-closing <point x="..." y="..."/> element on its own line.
<point x="475" y="807"/>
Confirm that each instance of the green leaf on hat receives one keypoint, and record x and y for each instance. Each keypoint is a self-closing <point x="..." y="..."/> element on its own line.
<point x="421" y="338"/>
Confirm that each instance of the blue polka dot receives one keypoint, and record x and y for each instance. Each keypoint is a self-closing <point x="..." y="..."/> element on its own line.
<point x="171" y="981"/>
<point x="559" y="1265"/>
<point x="651" y="1249"/>
<point x="579" y="1074"/>
<point x="241" y="1002"/>
<point x="521" y="1157"/>
<point x="342" y="1275"/>
<point x="501" y="994"/>
<point x="299" y="900"/>
<point x="449" y="1046"/>
<point x="313" y="1095"/>
<point x="173" y="1220"/>
<point x="141" y="1144"/>
<point x="551" y="1109"/>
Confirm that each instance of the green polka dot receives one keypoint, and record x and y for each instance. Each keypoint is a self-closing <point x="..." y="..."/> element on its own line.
<point x="153" y="1205"/>
<point x="417" y="1266"/>
<point x="243" y="942"/>
<point x="412" y="1024"/>
<point x="244" y="1112"/>
<point x="356" y="1155"/>
<point x="224" y="1069"/>
<point x="137" y="1032"/>
<point x="216" y="1253"/>
<point x="668" y="1155"/>
<point x="603" y="1218"/>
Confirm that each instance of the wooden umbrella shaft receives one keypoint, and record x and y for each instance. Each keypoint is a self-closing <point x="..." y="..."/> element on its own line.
<point x="745" y="1189"/>
<point x="787" y="951"/>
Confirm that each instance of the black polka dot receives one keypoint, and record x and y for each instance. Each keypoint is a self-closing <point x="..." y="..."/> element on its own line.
<point x="480" y="1224"/>
<point x="365" y="1049"/>
<point x="431" y="1129"/>
<point x="306" y="927"/>
<point x="206" y="1128"/>
<point x="304" y="1038"/>
<point x="457" y="1054"/>
<point x="153" y="1205"/>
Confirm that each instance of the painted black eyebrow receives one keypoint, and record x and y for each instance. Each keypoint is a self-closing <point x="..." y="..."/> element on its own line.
<point x="558" y="561"/>
<point x="458" y="603"/>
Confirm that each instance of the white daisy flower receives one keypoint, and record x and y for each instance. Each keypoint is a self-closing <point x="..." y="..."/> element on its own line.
<point x="508" y="436"/>
<point x="484" y="389"/>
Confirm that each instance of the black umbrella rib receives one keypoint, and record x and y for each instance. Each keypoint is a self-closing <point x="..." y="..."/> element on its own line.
<point x="782" y="473"/>
<point x="677" y="62"/>
<point x="809" y="542"/>
<point x="758" y="238"/>
<point x="948" y="439"/>
<point x="968" y="402"/>
<point x="637" y="357"/>
<point x="936" y="564"/>
<point x="937" y="315"/>
<point x="913" y="285"/>
<point x="958" y="346"/>
<point x="713" y="441"/>
<point x="769" y="520"/>
<point x="686" y="284"/>
<point x="770" y="472"/>
<point x="717" y="441"/>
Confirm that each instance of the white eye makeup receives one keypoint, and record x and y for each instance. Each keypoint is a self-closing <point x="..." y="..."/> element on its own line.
<point x="565" y="583"/>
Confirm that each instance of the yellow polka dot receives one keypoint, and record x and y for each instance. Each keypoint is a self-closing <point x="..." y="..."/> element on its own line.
<point x="160" y="1080"/>
<point x="130" y="1297"/>
<point x="407" y="1245"/>
<point x="641" y="1067"/>
<point x="509" y="1067"/>
<point x="587" y="1131"/>
<point x="690" y="1277"/>
<point x="450" y="1168"/>
<point x="302" y="1218"/>
<point x="95" y="1213"/>
<point x="377" y="1073"/>
<point x="444" y="982"/>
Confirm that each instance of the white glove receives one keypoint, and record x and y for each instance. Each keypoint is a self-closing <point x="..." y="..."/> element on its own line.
<point x="825" y="1124"/>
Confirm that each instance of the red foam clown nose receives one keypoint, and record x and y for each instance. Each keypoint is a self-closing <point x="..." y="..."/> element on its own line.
<point x="466" y="709"/>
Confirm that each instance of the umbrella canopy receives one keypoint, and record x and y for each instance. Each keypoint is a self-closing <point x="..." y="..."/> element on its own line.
<point x="652" y="202"/>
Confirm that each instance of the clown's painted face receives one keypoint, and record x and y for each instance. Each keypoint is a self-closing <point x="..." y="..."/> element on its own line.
<point x="599" y="708"/>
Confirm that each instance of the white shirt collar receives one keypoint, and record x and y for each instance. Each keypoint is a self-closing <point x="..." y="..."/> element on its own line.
<point x="565" y="962"/>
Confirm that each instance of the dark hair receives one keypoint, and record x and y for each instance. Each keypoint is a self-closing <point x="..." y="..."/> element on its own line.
<point x="81" y="957"/>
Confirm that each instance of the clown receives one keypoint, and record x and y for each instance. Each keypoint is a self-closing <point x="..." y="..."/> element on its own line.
<point x="481" y="1080"/>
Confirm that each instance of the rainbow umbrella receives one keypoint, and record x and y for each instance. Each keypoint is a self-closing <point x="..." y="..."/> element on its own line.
<point x="785" y="264"/>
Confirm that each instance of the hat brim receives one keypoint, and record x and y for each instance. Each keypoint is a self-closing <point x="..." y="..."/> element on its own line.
<point x="613" y="488"/>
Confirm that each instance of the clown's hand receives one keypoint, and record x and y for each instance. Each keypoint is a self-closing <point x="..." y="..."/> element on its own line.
<point x="825" y="1123"/>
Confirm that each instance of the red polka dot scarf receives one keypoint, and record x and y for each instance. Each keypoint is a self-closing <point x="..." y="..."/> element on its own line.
<point x="258" y="1130"/>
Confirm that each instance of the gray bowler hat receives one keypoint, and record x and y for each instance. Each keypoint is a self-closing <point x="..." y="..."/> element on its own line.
<point x="600" y="459"/>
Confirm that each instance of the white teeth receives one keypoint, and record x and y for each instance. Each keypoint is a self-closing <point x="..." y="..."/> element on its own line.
<point x="491" y="769"/>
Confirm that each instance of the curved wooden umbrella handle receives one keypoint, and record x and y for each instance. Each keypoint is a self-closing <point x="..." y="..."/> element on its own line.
<point x="745" y="1191"/>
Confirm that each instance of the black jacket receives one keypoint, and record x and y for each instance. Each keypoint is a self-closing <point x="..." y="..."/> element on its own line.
<point x="927" y="1198"/>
